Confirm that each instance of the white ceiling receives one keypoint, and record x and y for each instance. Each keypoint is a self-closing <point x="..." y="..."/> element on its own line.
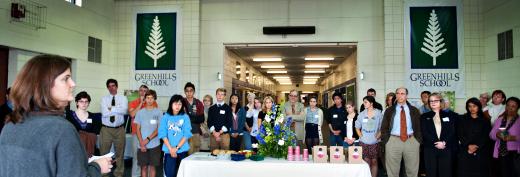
<point x="293" y="57"/>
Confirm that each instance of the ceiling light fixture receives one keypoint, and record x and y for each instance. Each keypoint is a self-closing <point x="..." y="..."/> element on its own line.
<point x="311" y="77"/>
<point x="309" y="83"/>
<point x="276" y="72"/>
<point x="266" y="59"/>
<point x="272" y="66"/>
<point x="319" y="59"/>
<point x="314" y="71"/>
<point x="316" y="66"/>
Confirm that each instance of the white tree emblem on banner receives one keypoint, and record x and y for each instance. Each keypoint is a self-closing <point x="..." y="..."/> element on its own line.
<point x="433" y="44"/>
<point x="155" y="47"/>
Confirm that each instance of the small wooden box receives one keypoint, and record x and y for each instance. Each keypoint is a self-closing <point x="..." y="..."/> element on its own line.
<point x="355" y="154"/>
<point x="336" y="154"/>
<point x="319" y="154"/>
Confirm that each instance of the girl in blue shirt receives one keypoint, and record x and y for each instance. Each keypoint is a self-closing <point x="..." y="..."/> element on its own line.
<point x="174" y="130"/>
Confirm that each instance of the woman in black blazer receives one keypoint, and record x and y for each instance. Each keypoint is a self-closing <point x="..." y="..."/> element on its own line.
<point x="439" y="138"/>
<point x="474" y="152"/>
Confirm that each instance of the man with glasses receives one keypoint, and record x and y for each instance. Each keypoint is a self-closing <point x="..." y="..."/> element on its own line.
<point x="195" y="109"/>
<point x="295" y="109"/>
<point x="401" y="136"/>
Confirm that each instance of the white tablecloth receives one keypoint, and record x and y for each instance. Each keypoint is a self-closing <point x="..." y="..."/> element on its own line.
<point x="204" y="165"/>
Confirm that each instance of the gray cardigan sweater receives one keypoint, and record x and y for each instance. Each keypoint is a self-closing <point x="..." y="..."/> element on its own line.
<point x="43" y="146"/>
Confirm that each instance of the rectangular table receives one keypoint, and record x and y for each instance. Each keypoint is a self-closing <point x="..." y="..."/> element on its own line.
<point x="202" y="164"/>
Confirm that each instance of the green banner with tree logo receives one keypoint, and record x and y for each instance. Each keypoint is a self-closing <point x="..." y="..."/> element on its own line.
<point x="155" y="52"/>
<point x="434" y="47"/>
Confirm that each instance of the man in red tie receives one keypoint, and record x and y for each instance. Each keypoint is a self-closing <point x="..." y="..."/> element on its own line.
<point x="401" y="136"/>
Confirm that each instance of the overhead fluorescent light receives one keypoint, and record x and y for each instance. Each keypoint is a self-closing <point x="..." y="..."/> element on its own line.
<point x="316" y="66"/>
<point x="285" y="83"/>
<point x="238" y="66"/>
<point x="238" y="72"/>
<point x="281" y="77"/>
<point x="314" y="71"/>
<point x="309" y="83"/>
<point x="272" y="66"/>
<point x="310" y="80"/>
<point x="319" y="59"/>
<point x="307" y="92"/>
<point x="276" y="72"/>
<point x="267" y="59"/>
<point x="311" y="77"/>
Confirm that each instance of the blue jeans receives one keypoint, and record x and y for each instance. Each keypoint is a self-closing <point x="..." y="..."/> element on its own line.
<point x="171" y="165"/>
<point x="247" y="140"/>
<point x="335" y="140"/>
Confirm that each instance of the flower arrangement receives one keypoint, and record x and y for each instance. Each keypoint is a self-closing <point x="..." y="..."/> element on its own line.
<point x="275" y="135"/>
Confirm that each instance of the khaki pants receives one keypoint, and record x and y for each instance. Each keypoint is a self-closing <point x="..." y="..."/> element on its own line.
<point x="222" y="144"/>
<point x="116" y="136"/>
<point x="395" y="150"/>
<point x="194" y="144"/>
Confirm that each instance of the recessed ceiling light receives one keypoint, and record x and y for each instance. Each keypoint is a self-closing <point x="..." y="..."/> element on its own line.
<point x="316" y="66"/>
<point x="267" y="59"/>
<point x="319" y="58"/>
<point x="307" y="92"/>
<point x="314" y="71"/>
<point x="276" y="72"/>
<point x="311" y="77"/>
<point x="238" y="66"/>
<point x="285" y="83"/>
<point x="272" y="66"/>
<point x="310" y="80"/>
<point x="309" y="83"/>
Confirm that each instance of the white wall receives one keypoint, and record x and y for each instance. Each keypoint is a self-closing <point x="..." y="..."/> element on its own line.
<point x="233" y="21"/>
<point x="500" y="16"/>
<point x="66" y="34"/>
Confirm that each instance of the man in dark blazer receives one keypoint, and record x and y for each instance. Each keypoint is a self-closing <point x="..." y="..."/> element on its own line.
<point x="401" y="136"/>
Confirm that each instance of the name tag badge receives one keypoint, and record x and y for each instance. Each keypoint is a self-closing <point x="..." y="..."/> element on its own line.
<point x="365" y="120"/>
<point x="153" y="121"/>
<point x="316" y="116"/>
<point x="446" y="119"/>
<point x="89" y="121"/>
<point x="335" y="116"/>
<point x="222" y="112"/>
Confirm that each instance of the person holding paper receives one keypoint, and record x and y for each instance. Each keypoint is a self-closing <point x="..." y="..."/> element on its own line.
<point x="439" y="138"/>
<point x="37" y="140"/>
<point x="147" y="122"/>
<point x="175" y="131"/>
<point x="85" y="122"/>
<point x="506" y="134"/>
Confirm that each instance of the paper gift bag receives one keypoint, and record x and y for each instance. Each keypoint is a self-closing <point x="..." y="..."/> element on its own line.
<point x="319" y="154"/>
<point x="336" y="154"/>
<point x="355" y="154"/>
